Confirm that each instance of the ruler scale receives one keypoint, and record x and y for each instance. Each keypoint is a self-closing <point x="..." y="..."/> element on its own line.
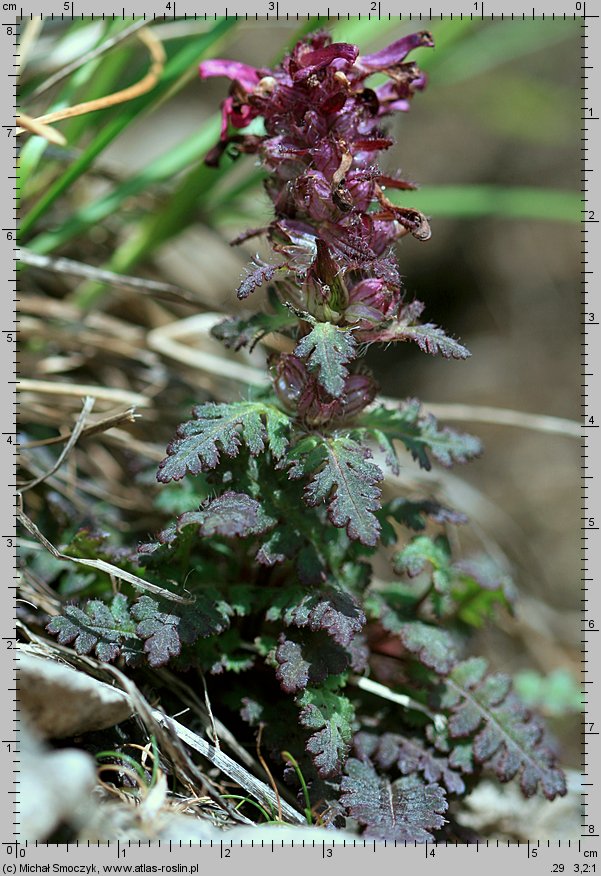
<point x="575" y="856"/>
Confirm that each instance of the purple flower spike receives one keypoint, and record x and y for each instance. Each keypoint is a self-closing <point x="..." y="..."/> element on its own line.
<point x="334" y="226"/>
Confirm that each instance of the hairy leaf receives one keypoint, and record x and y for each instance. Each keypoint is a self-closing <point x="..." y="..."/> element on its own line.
<point x="419" y="433"/>
<point x="106" y="630"/>
<point x="507" y="738"/>
<point x="229" y="515"/>
<point x="428" y="337"/>
<point x="158" y="630"/>
<point x="223" y="428"/>
<point x="330" y="714"/>
<point x="343" y="478"/>
<point x="405" y="810"/>
<point x="307" y="659"/>
<point x="328" y="351"/>
<point x="256" y="275"/>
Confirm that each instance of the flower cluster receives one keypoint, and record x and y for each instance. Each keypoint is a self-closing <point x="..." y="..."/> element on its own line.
<point x="334" y="226"/>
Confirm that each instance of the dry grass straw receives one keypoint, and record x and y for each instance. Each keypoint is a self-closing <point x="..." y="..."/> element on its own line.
<point x="41" y="124"/>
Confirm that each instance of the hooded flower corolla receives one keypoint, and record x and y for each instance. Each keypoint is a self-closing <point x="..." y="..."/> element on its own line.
<point x="322" y="138"/>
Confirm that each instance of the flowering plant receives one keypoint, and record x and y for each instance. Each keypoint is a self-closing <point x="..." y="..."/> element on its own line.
<point x="276" y="556"/>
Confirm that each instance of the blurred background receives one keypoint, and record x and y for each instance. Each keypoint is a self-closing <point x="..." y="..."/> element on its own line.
<point x="494" y="144"/>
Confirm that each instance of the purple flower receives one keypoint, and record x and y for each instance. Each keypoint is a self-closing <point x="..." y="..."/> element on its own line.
<point x="334" y="227"/>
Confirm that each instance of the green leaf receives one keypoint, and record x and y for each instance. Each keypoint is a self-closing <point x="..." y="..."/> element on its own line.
<point x="237" y="332"/>
<point x="419" y="433"/>
<point x="422" y="551"/>
<point x="431" y="645"/>
<point x="328" y="351"/>
<point x="223" y="428"/>
<point x="107" y="630"/>
<point x="406" y="810"/>
<point x="330" y="714"/>
<point x="342" y="477"/>
<point x="507" y="738"/>
<point x="557" y="694"/>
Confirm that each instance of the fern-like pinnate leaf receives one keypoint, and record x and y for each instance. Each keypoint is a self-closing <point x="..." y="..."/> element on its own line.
<point x="329" y="714"/>
<point x="506" y="737"/>
<point x="419" y="433"/>
<point x="428" y="337"/>
<point x="223" y="428"/>
<point x="409" y="755"/>
<point x="342" y="476"/>
<point x="154" y="627"/>
<point x="406" y="810"/>
<point x="414" y="514"/>
<point x="257" y="274"/>
<point x="328" y="350"/>
<point x="105" y="630"/>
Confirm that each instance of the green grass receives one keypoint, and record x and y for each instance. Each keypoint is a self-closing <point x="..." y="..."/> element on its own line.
<point x="184" y="191"/>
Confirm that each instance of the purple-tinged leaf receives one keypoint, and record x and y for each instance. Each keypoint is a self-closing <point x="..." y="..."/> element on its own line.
<point x="406" y="810"/>
<point x="432" y="646"/>
<point x="410" y="756"/>
<point x="343" y="478"/>
<point x="414" y="513"/>
<point x="230" y="515"/>
<point x="165" y="632"/>
<point x="304" y="660"/>
<point x="507" y="738"/>
<point x="222" y="428"/>
<point x="332" y="610"/>
<point x="328" y="350"/>
<point x="330" y="714"/>
<point x="428" y="337"/>
<point x="419" y="433"/>
<point x="256" y="276"/>
<point x="329" y="608"/>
